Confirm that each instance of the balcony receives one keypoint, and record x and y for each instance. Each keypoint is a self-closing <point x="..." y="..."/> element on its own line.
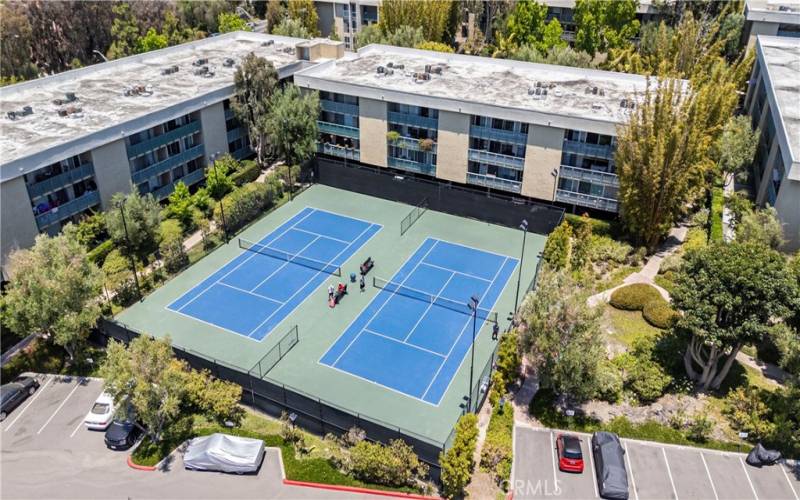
<point x="593" y="176"/>
<point x="229" y="114"/>
<point x="411" y="144"/>
<point x="498" y="135"/>
<point x="163" y="139"/>
<point x="412" y="166"/>
<point x="483" y="156"/>
<point x="340" y="151"/>
<point x="236" y="134"/>
<point x="587" y="200"/>
<point x="68" y="209"/>
<point x="336" y="129"/>
<point x="413" y="120"/>
<point x="166" y="165"/>
<point x="494" y="182"/>
<point x="242" y="153"/>
<point x="188" y="179"/>
<point x="585" y="149"/>
<point x="339" y="107"/>
<point x="60" y="181"/>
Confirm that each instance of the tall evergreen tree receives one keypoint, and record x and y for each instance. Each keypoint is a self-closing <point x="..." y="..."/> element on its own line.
<point x="255" y="82"/>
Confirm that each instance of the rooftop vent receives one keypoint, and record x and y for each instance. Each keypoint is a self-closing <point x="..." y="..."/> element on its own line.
<point x="13" y="115"/>
<point x="170" y="70"/>
<point x="138" y="90"/>
<point x="73" y="111"/>
<point x="422" y="77"/>
<point x="228" y="62"/>
<point x="268" y="43"/>
<point x="627" y="104"/>
<point x="68" y="97"/>
<point x="200" y="62"/>
<point x="595" y="90"/>
<point x="596" y="106"/>
<point x="204" y="71"/>
<point x="380" y="70"/>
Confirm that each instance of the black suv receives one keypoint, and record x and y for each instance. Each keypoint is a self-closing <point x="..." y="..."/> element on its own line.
<point x="14" y="393"/>
<point x="609" y="461"/>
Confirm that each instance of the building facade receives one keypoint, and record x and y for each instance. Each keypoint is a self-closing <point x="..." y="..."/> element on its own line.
<point x="346" y="18"/>
<point x="770" y="18"/>
<point x="773" y="103"/>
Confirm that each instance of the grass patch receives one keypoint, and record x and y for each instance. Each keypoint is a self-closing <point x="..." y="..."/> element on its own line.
<point x="627" y="326"/>
<point x="617" y="276"/>
<point x="41" y="356"/>
<point x="664" y="281"/>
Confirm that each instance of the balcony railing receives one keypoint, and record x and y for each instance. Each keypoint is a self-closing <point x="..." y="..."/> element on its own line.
<point x="242" y="153"/>
<point x="483" y="156"/>
<point x="163" y="139"/>
<point x="498" y="135"/>
<point x="236" y="133"/>
<point x="593" y="176"/>
<point x="582" y="148"/>
<point x="72" y="207"/>
<point x="340" y="151"/>
<point x="61" y="180"/>
<point x="492" y="181"/>
<point x="587" y="200"/>
<point x="412" y="166"/>
<point x="166" y="165"/>
<point x="188" y="179"/>
<point x="336" y="129"/>
<point x="412" y="144"/>
<point x="413" y="120"/>
<point x="229" y="114"/>
<point x="339" y="107"/>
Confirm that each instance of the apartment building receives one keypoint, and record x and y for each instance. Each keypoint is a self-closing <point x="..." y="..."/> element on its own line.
<point x="71" y="141"/>
<point x="770" y="18"/>
<point x="563" y="10"/>
<point x="345" y="18"/>
<point x="773" y="103"/>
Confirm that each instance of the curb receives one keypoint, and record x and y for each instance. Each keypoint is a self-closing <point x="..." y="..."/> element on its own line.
<point x="147" y="468"/>
<point x="353" y="489"/>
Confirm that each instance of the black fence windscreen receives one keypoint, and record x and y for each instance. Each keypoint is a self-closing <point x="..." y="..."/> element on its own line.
<point x="464" y="201"/>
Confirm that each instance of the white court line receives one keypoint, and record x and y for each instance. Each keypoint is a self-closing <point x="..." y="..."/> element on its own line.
<point x="249" y="292"/>
<point x="669" y="473"/>
<point x="630" y="469"/>
<point x="39" y="391"/>
<point x="748" y="478"/>
<point x="713" y="488"/>
<point x="457" y="272"/>
<point x="592" y="472"/>
<point x="80" y="424"/>
<point x="371" y="332"/>
<point x="783" y="469"/>
<point x="321" y="235"/>
<point x="553" y="456"/>
<point x="427" y="309"/>
<point x="287" y="262"/>
<point x="60" y="406"/>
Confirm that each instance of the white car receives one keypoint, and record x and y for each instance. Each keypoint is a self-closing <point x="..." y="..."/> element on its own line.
<point x="101" y="414"/>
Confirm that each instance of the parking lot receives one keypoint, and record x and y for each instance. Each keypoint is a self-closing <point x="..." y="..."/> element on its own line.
<point x="655" y="471"/>
<point x="46" y="452"/>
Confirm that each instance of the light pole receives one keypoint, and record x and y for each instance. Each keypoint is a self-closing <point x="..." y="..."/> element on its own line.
<point x="473" y="304"/>
<point x="524" y="227"/>
<point x="130" y="250"/>
<point x="221" y="209"/>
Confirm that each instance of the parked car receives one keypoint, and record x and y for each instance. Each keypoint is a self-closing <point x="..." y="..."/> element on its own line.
<point x="570" y="456"/>
<point x="609" y="462"/>
<point x="101" y="414"/>
<point x="122" y="434"/>
<point x="14" y="393"/>
<point x="224" y="453"/>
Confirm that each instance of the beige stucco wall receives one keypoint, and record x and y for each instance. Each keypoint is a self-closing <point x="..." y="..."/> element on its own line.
<point x="452" y="147"/>
<point x="542" y="160"/>
<point x="112" y="171"/>
<point x="17" y="225"/>
<point x="760" y="28"/>
<point x="372" y="131"/>
<point x="215" y="137"/>
<point x="787" y="204"/>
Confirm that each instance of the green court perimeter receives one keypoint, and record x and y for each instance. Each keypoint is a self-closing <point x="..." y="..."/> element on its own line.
<point x="320" y="326"/>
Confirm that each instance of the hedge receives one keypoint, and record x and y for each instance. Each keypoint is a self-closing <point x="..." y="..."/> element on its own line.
<point x="634" y="297"/>
<point x="99" y="253"/>
<point x="245" y="204"/>
<point x="599" y="227"/>
<point x="715" y="217"/>
<point x="658" y="313"/>
<point x="248" y="173"/>
<point x="498" y="453"/>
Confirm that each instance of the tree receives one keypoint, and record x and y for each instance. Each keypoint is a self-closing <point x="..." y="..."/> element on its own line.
<point x="53" y="292"/>
<point x="557" y="251"/>
<point x="508" y="359"/>
<point x="171" y="247"/>
<point x="561" y="56"/>
<point x="292" y="124"/>
<point x="291" y="27"/>
<point x="761" y="227"/>
<point x="304" y="12"/>
<point x="176" y="32"/>
<point x="551" y="37"/>
<point x="255" y="81"/>
<point x="275" y="13"/>
<point x="151" y="41"/>
<point x="180" y="205"/>
<point x="430" y="17"/>
<point x="458" y="461"/>
<point x="602" y="25"/>
<point x="562" y="336"/>
<point x="124" y="32"/>
<point x="216" y="399"/>
<point x="729" y="295"/>
<point x="525" y="25"/>
<point x="142" y="217"/>
<point x="404" y="36"/>
<point x="436" y="47"/>
<point x="203" y="15"/>
<point x="230" y="21"/>
<point x="730" y="31"/>
<point x="737" y="145"/>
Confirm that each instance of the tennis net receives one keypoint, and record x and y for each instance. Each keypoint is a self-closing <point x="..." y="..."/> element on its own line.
<point x="289" y="257"/>
<point x="413" y="293"/>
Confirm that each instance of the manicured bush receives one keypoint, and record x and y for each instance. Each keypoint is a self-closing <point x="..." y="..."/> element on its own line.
<point x="247" y="173"/>
<point x="99" y="253"/>
<point x="244" y="204"/>
<point x="393" y="465"/>
<point x="497" y="453"/>
<point x="634" y="297"/>
<point x="642" y="375"/>
<point x="558" y="247"/>
<point x="457" y="463"/>
<point x="658" y="313"/>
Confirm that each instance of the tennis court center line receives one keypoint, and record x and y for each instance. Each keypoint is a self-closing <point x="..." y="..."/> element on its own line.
<point x="312" y="210"/>
<point x="371" y="332"/>
<point x="463" y="328"/>
<point x="427" y="309"/>
<point x="249" y="292"/>
<point x="286" y="263"/>
<point x="321" y="235"/>
<point x="454" y="271"/>
<point x="391" y="294"/>
<point x="330" y="262"/>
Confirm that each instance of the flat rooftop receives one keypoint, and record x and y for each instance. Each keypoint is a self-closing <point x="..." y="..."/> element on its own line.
<point x="100" y="90"/>
<point x="468" y="80"/>
<point x="782" y="58"/>
<point x="774" y="11"/>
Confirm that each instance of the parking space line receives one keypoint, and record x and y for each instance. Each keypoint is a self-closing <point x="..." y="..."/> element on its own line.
<point x="783" y="469"/>
<point x="60" y="406"/>
<point x="553" y="455"/>
<point x="591" y="462"/>
<point x="633" y="480"/>
<point x="41" y="389"/>
<point x="80" y="423"/>
<point x="669" y="473"/>
<point x="748" y="478"/>
<point x="713" y="488"/>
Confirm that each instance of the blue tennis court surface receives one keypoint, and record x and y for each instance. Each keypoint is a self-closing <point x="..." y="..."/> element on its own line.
<point x="413" y="345"/>
<point x="254" y="292"/>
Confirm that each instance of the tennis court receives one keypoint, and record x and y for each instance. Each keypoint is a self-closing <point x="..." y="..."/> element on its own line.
<point x="414" y="335"/>
<point x="252" y="293"/>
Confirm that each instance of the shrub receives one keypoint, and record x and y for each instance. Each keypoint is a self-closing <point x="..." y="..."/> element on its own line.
<point x="247" y="173"/>
<point x="609" y="383"/>
<point x="392" y="136"/>
<point x="425" y="144"/>
<point x="598" y="227"/>
<point x="245" y="204"/>
<point x="717" y="203"/>
<point x="508" y="358"/>
<point x="457" y="463"/>
<point x="658" y="313"/>
<point x="606" y="249"/>
<point x="700" y="428"/>
<point x="99" y="253"/>
<point x="202" y="201"/>
<point x="497" y="452"/>
<point x="634" y="297"/>
<point x="747" y="411"/>
<point x="393" y="465"/>
<point x="171" y="246"/>
<point x="671" y="263"/>
<point x="641" y="374"/>
<point x="696" y="238"/>
<point x="558" y="247"/>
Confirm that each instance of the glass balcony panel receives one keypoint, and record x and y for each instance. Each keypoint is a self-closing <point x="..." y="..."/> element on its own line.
<point x="483" y="156"/>
<point x="168" y="164"/>
<point x="494" y="182"/>
<point x="593" y="176"/>
<point x="66" y="210"/>
<point x="587" y="200"/>
<point x="339" y="107"/>
<point x="340" y="151"/>
<point x="413" y="120"/>
<point x="336" y="129"/>
<point x="595" y="150"/>
<point x="61" y="180"/>
<point x="163" y="139"/>
<point x="412" y="166"/>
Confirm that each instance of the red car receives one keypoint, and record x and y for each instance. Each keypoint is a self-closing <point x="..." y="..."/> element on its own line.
<point x="570" y="457"/>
